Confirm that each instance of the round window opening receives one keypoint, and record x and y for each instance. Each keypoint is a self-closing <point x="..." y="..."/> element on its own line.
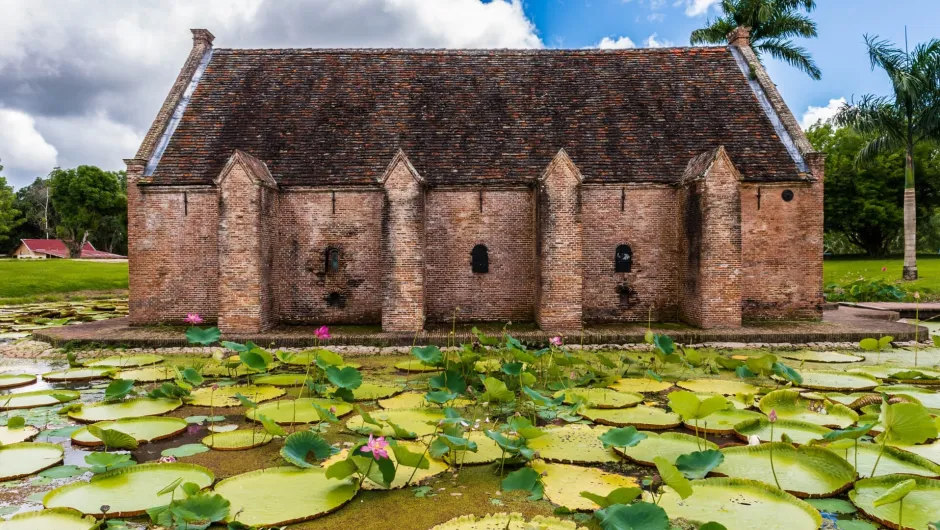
<point x="787" y="195"/>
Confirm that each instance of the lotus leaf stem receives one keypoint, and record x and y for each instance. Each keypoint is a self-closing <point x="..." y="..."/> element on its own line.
<point x="772" y="470"/>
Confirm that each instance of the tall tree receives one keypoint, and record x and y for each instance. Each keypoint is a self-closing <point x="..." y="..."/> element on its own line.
<point x="908" y="117"/>
<point x="85" y="198"/>
<point x="35" y="203"/>
<point x="773" y="23"/>
<point x="9" y="216"/>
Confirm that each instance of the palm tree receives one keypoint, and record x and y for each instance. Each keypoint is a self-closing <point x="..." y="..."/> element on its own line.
<point x="909" y="116"/>
<point x="773" y="24"/>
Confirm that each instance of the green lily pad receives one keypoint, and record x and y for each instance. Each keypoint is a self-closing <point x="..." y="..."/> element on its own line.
<point x="798" y="431"/>
<point x="893" y="461"/>
<point x="725" y="387"/>
<point x="414" y="365"/>
<point x="804" y="472"/>
<point x="820" y="356"/>
<point x="573" y="444"/>
<point x="296" y="411"/>
<point x="416" y="400"/>
<point x="38" y="398"/>
<point x="225" y="396"/>
<point x="184" y="450"/>
<point x="641" y="417"/>
<point x="57" y="519"/>
<point x="833" y="505"/>
<point x="372" y="391"/>
<point x="403" y="476"/>
<point x="12" y="436"/>
<point x="844" y="399"/>
<point x="842" y="381"/>
<point x="16" y="380"/>
<point x="487" y="451"/>
<point x="24" y="459"/>
<point x="506" y="521"/>
<point x="741" y="504"/>
<point x="128" y="491"/>
<point x="288" y="380"/>
<point x="150" y="374"/>
<point x="791" y="406"/>
<point x="563" y="484"/>
<point x="284" y="495"/>
<point x="929" y="451"/>
<point x="723" y="421"/>
<point x="131" y="408"/>
<point x="63" y="472"/>
<point x="125" y="361"/>
<point x="147" y="429"/>
<point x="669" y="445"/>
<point x="926" y="397"/>
<point x="421" y="422"/>
<point x="239" y="440"/>
<point x="602" y="398"/>
<point x="920" y="505"/>
<point x="640" y="384"/>
<point x="77" y="374"/>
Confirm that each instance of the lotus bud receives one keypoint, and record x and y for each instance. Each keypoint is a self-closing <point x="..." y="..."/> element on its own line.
<point x="753" y="440"/>
<point x="772" y="416"/>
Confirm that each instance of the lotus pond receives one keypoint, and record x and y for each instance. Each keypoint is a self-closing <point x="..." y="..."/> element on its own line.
<point x="496" y="434"/>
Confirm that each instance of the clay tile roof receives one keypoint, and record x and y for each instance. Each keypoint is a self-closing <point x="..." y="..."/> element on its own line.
<point x="331" y="117"/>
<point x="56" y="248"/>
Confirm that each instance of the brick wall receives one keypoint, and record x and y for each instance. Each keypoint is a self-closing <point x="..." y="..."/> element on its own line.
<point x="504" y="221"/>
<point x="310" y="221"/>
<point x="404" y="249"/>
<point x="644" y="218"/>
<point x="689" y="250"/>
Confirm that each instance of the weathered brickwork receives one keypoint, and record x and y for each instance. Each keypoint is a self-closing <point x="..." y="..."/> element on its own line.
<point x="644" y="218"/>
<point x="503" y="221"/>
<point x="404" y="248"/>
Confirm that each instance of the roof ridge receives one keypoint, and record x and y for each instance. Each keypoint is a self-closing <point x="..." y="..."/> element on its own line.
<point x="465" y="51"/>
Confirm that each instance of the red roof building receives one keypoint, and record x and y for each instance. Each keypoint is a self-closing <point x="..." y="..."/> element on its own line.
<point x="55" y="248"/>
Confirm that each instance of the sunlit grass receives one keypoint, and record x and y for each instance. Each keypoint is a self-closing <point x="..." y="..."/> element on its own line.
<point x="28" y="281"/>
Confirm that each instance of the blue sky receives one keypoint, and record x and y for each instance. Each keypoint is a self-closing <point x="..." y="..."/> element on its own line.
<point x="839" y="51"/>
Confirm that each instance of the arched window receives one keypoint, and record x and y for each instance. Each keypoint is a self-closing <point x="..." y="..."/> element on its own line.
<point x="480" y="259"/>
<point x="623" y="259"/>
<point x="332" y="260"/>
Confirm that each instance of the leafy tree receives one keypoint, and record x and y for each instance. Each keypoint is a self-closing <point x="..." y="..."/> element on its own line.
<point x="35" y="204"/>
<point x="85" y="198"/>
<point x="907" y="118"/>
<point x="863" y="203"/>
<point x="9" y="215"/>
<point x="773" y="23"/>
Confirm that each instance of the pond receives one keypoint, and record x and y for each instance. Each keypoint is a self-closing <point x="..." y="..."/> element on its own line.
<point x="494" y="434"/>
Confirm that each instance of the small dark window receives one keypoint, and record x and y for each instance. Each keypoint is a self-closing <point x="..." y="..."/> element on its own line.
<point x="623" y="259"/>
<point x="332" y="260"/>
<point x="480" y="259"/>
<point x="787" y="195"/>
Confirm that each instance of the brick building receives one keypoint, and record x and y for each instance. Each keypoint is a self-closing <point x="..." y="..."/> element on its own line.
<point x="396" y="186"/>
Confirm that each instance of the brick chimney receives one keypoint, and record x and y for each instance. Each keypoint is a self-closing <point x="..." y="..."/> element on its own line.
<point x="740" y="37"/>
<point x="202" y="37"/>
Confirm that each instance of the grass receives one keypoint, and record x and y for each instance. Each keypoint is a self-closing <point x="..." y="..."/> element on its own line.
<point x="843" y="270"/>
<point x="30" y="281"/>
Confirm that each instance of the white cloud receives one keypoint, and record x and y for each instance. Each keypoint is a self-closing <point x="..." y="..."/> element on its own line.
<point x="814" y="115"/>
<point x="608" y="43"/>
<point x="92" y="137"/>
<point x="653" y="42"/>
<point x="24" y="152"/>
<point x="694" y="8"/>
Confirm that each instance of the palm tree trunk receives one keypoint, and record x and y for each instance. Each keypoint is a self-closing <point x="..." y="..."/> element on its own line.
<point x="910" y="219"/>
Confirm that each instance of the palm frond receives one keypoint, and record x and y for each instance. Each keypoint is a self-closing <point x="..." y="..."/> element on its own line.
<point x="883" y="55"/>
<point x="877" y="146"/>
<point x="872" y="116"/>
<point x="786" y="25"/>
<point x="791" y="54"/>
<point x="714" y="33"/>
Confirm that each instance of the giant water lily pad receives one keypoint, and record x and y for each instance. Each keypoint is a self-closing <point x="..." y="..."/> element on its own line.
<point x="564" y="483"/>
<point x="127" y="491"/>
<point x="141" y="429"/>
<point x="669" y="445"/>
<point x="849" y="400"/>
<point x="820" y="356"/>
<point x="22" y="459"/>
<point x="893" y="461"/>
<point x="724" y="387"/>
<point x="225" y="396"/>
<point x="77" y="374"/>
<point x="16" y="380"/>
<point x="421" y="422"/>
<point x="125" y="361"/>
<point x="487" y="451"/>
<point x="805" y="472"/>
<point x="741" y="504"/>
<point x="414" y="365"/>
<point x="372" y="391"/>
<point x="800" y="432"/>
<point x="640" y="384"/>
<point x="38" y="398"/>
<point x="641" y="417"/>
<point x="12" y="436"/>
<point x="291" y="411"/>
<point x="404" y="475"/>
<point x="149" y="374"/>
<point x="920" y="505"/>
<point x="926" y="397"/>
<point x="929" y="451"/>
<point x="790" y="405"/>
<point x="573" y="444"/>
<point x="238" y="440"/>
<point x="131" y="408"/>
<point x="833" y="380"/>
<point x="601" y="398"/>
<point x="416" y="400"/>
<point x="293" y="379"/>
<point x="506" y="521"/>
<point x="57" y="519"/>
<point x="283" y="495"/>
<point x="723" y="421"/>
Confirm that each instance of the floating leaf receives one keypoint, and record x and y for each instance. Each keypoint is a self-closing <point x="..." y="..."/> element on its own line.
<point x="640" y="516"/>
<point x="697" y="465"/>
<point x="185" y="450"/>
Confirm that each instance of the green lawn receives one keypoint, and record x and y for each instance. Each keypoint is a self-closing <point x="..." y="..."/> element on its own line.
<point x="845" y="270"/>
<point x="26" y="281"/>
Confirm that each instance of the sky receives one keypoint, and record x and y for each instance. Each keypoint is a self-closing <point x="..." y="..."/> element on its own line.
<point x="81" y="81"/>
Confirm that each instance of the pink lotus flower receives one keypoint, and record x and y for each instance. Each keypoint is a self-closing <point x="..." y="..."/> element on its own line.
<point x="555" y="341"/>
<point x="193" y="319"/>
<point x="376" y="446"/>
<point x="884" y="269"/>
<point x="322" y="333"/>
<point x="167" y="460"/>
<point x="215" y="387"/>
<point x="772" y="416"/>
